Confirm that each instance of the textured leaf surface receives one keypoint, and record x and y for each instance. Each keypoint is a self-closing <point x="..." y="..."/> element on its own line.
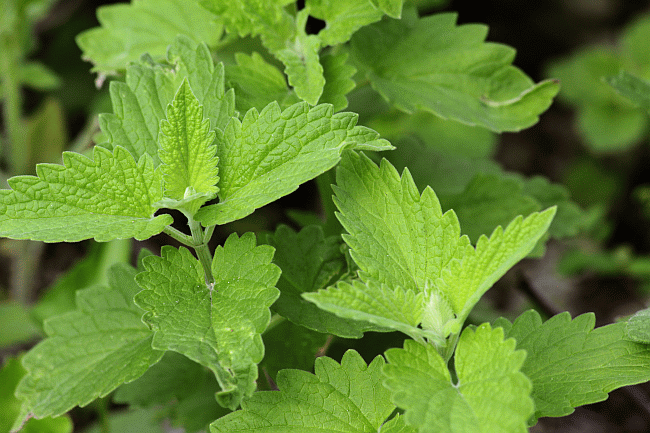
<point x="188" y="151"/>
<point x="139" y="103"/>
<point x="434" y="65"/>
<point x="572" y="364"/>
<point x="218" y="326"/>
<point x="88" y="352"/>
<point x="632" y="87"/>
<point x="638" y="327"/>
<point x="129" y="30"/>
<point x="107" y="197"/>
<point x="342" y="18"/>
<point x="415" y="267"/>
<point x="338" y="398"/>
<point x="491" y="394"/>
<point x="310" y="261"/>
<point x="269" y="154"/>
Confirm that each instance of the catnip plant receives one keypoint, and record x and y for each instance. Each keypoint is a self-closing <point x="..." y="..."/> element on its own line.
<point x="222" y="107"/>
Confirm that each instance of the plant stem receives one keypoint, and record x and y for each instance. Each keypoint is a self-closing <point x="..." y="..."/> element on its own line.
<point x="18" y="155"/>
<point x="180" y="236"/>
<point x="451" y="346"/>
<point x="201" y="247"/>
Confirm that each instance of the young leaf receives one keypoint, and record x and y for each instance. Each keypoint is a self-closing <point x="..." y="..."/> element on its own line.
<point x="218" y="326"/>
<point x="342" y="398"/>
<point x="88" y="352"/>
<point x="342" y="18"/>
<point x="187" y="152"/>
<point x="269" y="154"/>
<point x="572" y="364"/>
<point x="491" y="394"/>
<point x="434" y="65"/>
<point x="107" y="197"/>
<point x="139" y="103"/>
<point x="127" y="31"/>
<point x="309" y="262"/>
<point x="415" y="267"/>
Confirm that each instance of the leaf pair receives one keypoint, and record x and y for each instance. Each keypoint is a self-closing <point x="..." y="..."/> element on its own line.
<point x="417" y="274"/>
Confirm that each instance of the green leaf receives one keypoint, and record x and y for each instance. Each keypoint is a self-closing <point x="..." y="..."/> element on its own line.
<point x="488" y="201"/>
<point x="309" y="262"/>
<point x="434" y="65"/>
<point x="139" y="103"/>
<point x="187" y="152"/>
<point x="302" y="63"/>
<point x="282" y="149"/>
<point x="257" y="83"/>
<point x="217" y="326"/>
<point x="342" y="18"/>
<point x="338" y="79"/>
<point x="342" y="398"/>
<point x="415" y="267"/>
<point x="392" y="8"/>
<point x="132" y="421"/>
<point x="10" y="375"/>
<point x="491" y="394"/>
<point x="90" y="351"/>
<point x="107" y="197"/>
<point x="638" y="327"/>
<point x="16" y="325"/>
<point x="129" y="30"/>
<point x="632" y="87"/>
<point x="572" y="364"/>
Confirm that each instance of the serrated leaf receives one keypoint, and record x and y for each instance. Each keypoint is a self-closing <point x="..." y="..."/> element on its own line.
<point x="491" y="394"/>
<point x="217" y="326"/>
<point x="310" y="261"/>
<point x="107" y="197"/>
<point x="302" y="63"/>
<point x="434" y="65"/>
<point x="139" y="103"/>
<point x="129" y="30"/>
<point x="269" y="154"/>
<point x="572" y="364"/>
<point x="188" y="151"/>
<point x="342" y="398"/>
<point x="338" y="79"/>
<point x="88" y="352"/>
<point x="467" y="279"/>
<point x="257" y="83"/>
<point x="342" y="18"/>
<point x="415" y="267"/>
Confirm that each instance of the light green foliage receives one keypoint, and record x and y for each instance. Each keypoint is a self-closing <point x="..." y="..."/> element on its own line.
<point x="129" y="30"/>
<point x="414" y="265"/>
<point x="132" y="421"/>
<point x="343" y="18"/>
<point x="10" y="375"/>
<point x="342" y="398"/>
<point x="571" y="364"/>
<point x="491" y="394"/>
<point x="638" y="327"/>
<point x="270" y="153"/>
<point x="309" y="262"/>
<point x="139" y="103"/>
<point x="607" y="121"/>
<point x="433" y="65"/>
<point x="217" y="326"/>
<point x="90" y="351"/>
<point x="257" y="83"/>
<point x="187" y="153"/>
<point x="338" y="79"/>
<point x="392" y="8"/>
<point x="107" y="197"/>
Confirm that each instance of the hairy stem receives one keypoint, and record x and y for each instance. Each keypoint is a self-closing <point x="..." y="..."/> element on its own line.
<point x="201" y="247"/>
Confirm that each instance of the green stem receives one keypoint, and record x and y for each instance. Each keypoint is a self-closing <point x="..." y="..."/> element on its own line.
<point x="180" y="236"/>
<point x="201" y="248"/>
<point x="451" y="346"/>
<point x="12" y="107"/>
